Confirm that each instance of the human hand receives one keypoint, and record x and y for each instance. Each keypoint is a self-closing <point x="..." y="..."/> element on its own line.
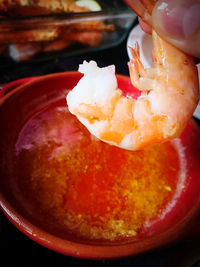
<point x="178" y="22"/>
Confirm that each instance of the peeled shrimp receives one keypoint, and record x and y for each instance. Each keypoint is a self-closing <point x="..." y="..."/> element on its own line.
<point x="169" y="96"/>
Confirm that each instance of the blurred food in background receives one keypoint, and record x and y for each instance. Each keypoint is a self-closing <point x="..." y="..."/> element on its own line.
<point x="41" y="7"/>
<point x="23" y="43"/>
<point x="29" y="27"/>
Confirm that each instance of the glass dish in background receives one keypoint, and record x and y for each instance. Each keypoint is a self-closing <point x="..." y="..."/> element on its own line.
<point x="40" y="37"/>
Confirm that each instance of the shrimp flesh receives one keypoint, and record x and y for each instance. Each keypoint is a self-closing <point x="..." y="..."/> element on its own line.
<point x="169" y="96"/>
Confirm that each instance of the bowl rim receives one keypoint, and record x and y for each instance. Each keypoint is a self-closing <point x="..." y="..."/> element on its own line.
<point x="83" y="250"/>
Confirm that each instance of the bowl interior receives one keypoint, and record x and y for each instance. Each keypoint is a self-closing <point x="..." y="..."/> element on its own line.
<point x="17" y="109"/>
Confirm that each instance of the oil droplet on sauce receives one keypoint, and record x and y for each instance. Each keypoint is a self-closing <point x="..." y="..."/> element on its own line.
<point x="94" y="190"/>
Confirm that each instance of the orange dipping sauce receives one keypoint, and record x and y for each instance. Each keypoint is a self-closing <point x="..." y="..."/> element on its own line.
<point x="94" y="190"/>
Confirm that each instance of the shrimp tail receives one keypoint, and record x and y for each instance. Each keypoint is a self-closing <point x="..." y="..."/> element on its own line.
<point x="141" y="78"/>
<point x="135" y="65"/>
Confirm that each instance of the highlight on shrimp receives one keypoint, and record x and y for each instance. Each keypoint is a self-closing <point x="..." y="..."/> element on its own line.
<point x="169" y="96"/>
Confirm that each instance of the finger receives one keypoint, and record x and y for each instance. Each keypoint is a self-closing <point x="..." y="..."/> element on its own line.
<point x="178" y="21"/>
<point x="145" y="27"/>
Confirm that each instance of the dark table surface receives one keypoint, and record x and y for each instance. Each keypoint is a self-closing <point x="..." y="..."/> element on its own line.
<point x="18" y="250"/>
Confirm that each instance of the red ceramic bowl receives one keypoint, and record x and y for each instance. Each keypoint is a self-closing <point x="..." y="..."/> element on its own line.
<point x="30" y="96"/>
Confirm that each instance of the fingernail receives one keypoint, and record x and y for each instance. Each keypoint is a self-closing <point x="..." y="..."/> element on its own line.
<point x="177" y="19"/>
<point x="191" y="21"/>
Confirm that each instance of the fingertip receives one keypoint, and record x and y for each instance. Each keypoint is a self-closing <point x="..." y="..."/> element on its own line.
<point x="145" y="27"/>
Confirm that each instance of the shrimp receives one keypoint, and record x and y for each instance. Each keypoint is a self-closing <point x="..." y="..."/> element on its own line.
<point x="169" y="96"/>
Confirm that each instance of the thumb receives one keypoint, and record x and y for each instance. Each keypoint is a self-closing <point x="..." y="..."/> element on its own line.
<point x="178" y="22"/>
